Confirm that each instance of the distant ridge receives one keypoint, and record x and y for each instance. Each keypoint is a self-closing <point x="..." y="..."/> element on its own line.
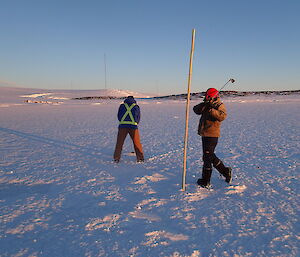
<point x="197" y="95"/>
<point x="10" y="93"/>
<point x="230" y="93"/>
<point x="61" y="94"/>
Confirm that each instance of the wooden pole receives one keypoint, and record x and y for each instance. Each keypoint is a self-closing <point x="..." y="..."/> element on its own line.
<point x="187" y="111"/>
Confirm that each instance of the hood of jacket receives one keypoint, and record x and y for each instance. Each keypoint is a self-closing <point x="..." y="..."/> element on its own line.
<point x="130" y="101"/>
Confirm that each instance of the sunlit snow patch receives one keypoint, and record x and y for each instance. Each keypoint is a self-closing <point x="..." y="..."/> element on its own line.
<point x="36" y="95"/>
<point x="236" y="189"/>
<point x="156" y="238"/>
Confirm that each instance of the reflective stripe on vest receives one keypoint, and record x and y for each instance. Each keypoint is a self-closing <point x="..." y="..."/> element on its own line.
<point x="128" y="112"/>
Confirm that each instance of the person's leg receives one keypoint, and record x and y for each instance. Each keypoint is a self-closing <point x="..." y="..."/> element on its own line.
<point x="122" y="133"/>
<point x="208" y="145"/>
<point x="225" y="171"/>
<point x="138" y="148"/>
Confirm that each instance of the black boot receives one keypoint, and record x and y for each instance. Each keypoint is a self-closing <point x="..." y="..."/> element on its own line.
<point x="205" y="180"/>
<point x="225" y="171"/>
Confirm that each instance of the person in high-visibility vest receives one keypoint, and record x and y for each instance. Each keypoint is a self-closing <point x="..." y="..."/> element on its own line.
<point x="129" y="116"/>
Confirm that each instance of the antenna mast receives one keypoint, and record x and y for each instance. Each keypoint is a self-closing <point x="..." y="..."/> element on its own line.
<point x="105" y="80"/>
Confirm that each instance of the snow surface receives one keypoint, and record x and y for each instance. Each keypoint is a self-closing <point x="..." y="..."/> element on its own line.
<point x="61" y="195"/>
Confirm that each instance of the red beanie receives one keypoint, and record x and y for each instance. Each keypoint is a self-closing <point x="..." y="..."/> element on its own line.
<point x="211" y="93"/>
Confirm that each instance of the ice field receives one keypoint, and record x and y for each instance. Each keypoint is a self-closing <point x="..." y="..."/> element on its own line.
<point x="61" y="194"/>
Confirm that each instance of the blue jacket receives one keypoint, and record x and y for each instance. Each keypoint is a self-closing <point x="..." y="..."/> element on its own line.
<point x="136" y="113"/>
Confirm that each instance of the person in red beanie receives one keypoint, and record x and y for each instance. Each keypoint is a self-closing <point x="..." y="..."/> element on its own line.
<point x="212" y="112"/>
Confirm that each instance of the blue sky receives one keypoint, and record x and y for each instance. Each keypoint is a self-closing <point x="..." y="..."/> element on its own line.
<point x="61" y="44"/>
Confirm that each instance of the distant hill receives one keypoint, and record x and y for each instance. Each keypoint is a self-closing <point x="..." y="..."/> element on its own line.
<point x="230" y="93"/>
<point x="193" y="95"/>
<point x="9" y="94"/>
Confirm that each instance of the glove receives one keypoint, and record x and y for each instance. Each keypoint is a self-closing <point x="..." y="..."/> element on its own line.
<point x="212" y="105"/>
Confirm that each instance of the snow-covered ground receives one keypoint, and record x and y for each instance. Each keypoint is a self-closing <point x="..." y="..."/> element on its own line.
<point x="61" y="195"/>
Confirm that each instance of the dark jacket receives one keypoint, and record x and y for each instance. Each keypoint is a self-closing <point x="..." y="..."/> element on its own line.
<point x="136" y="113"/>
<point x="210" y="121"/>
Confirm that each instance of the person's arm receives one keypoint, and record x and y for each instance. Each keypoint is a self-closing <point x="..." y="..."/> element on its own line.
<point x="219" y="113"/>
<point x="199" y="108"/>
<point x="137" y="114"/>
<point x="121" y="111"/>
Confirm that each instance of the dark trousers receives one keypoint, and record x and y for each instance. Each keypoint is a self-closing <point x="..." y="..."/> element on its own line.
<point x="135" y="136"/>
<point x="209" y="158"/>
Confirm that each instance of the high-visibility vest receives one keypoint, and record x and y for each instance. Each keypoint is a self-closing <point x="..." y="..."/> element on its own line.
<point x="128" y="112"/>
